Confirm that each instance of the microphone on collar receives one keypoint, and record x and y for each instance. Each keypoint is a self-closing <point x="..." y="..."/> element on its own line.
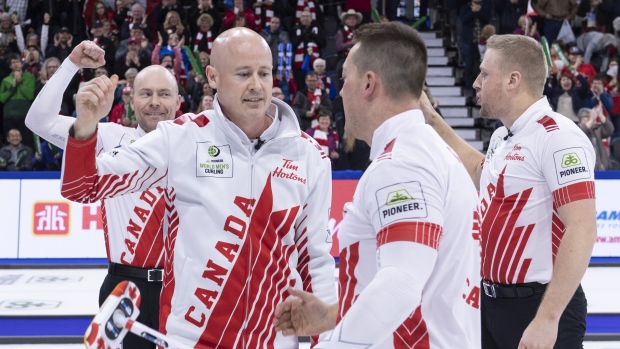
<point x="510" y="134"/>
<point x="259" y="143"/>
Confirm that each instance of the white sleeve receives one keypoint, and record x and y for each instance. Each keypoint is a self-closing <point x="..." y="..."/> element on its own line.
<point x="19" y="35"/>
<point x="43" y="118"/>
<point x="128" y="169"/>
<point x="393" y="295"/>
<point x="313" y="239"/>
<point x="45" y="33"/>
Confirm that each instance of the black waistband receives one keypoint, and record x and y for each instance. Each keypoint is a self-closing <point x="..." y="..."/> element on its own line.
<point x="151" y="275"/>
<point x="494" y="290"/>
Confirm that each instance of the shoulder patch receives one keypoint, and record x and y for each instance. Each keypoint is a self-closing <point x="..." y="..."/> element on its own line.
<point x="200" y="120"/>
<point x="314" y="143"/>
<point x="548" y="123"/>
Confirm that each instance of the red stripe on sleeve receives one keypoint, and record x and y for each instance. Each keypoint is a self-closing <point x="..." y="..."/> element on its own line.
<point x="573" y="192"/>
<point x="424" y="233"/>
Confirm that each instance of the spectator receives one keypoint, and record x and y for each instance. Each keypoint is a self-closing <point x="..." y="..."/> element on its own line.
<point x="130" y="76"/>
<point x="133" y="58"/>
<point x="275" y="35"/>
<point x="554" y="12"/>
<point x="32" y="60"/>
<point x="601" y="12"/>
<point x="354" y="154"/>
<point x="50" y="158"/>
<point x="486" y="32"/>
<point x="568" y="98"/>
<point x="17" y="93"/>
<point x="288" y="86"/>
<point x="15" y="156"/>
<point x="206" y="103"/>
<point x="7" y="31"/>
<point x="173" y="25"/>
<point x="575" y="56"/>
<point x="240" y="21"/>
<point x="123" y="11"/>
<point x="203" y="40"/>
<point x="161" y="12"/>
<point x="598" y="95"/>
<point x="316" y="14"/>
<point x="344" y="36"/>
<point x="110" y="34"/>
<point x="137" y="18"/>
<point x="205" y="7"/>
<point x="106" y="44"/>
<point x="509" y="12"/>
<point x="596" y="132"/>
<point x="596" y="46"/>
<point x="99" y="13"/>
<point x="325" y="135"/>
<point x="170" y="55"/>
<point x="276" y="92"/>
<point x="527" y="27"/>
<point x="146" y="48"/>
<point x="230" y="16"/>
<point x="308" y="101"/>
<point x="63" y="45"/>
<point x="264" y="10"/>
<point x="474" y="15"/>
<point x="200" y="89"/>
<point x="50" y="66"/>
<point x="121" y="113"/>
<point x="307" y="38"/>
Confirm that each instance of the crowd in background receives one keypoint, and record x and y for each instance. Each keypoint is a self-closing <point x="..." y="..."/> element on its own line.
<point x="37" y="35"/>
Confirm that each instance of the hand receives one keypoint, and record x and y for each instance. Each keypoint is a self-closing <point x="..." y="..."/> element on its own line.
<point x="430" y="114"/>
<point x="135" y="59"/>
<point x="578" y="62"/>
<point x="539" y="334"/>
<point x="180" y="29"/>
<point x="334" y="155"/>
<point x="87" y="55"/>
<point x="533" y="30"/>
<point x="56" y="39"/>
<point x="70" y="41"/>
<point x="257" y="4"/>
<point x="144" y="19"/>
<point x="304" y="315"/>
<point x="37" y="156"/>
<point x="181" y="43"/>
<point x="548" y="16"/>
<point x="309" y="114"/>
<point x="160" y="40"/>
<point x="17" y="77"/>
<point x="475" y="7"/>
<point x="92" y="103"/>
<point x="46" y="18"/>
<point x="144" y="43"/>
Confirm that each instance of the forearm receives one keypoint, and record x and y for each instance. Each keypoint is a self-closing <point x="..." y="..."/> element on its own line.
<point x="469" y="156"/>
<point x="570" y="265"/>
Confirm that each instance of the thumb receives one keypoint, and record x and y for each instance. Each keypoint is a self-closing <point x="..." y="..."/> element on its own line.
<point x="303" y="295"/>
<point x="114" y="79"/>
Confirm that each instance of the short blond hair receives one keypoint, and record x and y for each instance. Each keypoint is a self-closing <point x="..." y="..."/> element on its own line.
<point x="523" y="54"/>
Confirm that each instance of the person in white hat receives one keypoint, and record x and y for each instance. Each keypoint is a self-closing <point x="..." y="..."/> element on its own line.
<point x="344" y="37"/>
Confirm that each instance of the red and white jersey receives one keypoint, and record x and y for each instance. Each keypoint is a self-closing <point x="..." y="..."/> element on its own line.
<point x="415" y="191"/>
<point x="241" y="225"/>
<point x="132" y="224"/>
<point x="546" y="163"/>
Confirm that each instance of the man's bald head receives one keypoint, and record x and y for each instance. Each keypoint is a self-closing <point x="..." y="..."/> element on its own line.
<point x="233" y="41"/>
<point x="158" y="73"/>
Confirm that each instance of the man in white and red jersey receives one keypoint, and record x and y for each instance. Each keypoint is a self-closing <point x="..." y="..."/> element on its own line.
<point x="409" y="250"/>
<point x="132" y="223"/>
<point x="247" y="199"/>
<point x="536" y="186"/>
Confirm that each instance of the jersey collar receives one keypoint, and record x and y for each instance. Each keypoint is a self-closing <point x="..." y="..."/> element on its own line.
<point x="531" y="114"/>
<point x="391" y="127"/>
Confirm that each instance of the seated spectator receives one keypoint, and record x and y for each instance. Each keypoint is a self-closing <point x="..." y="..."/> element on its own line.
<point x="161" y="11"/>
<point x="32" y="60"/>
<point x="276" y="92"/>
<point x="200" y="90"/>
<point x="50" y="158"/>
<point x="288" y="88"/>
<point x="230" y="16"/>
<point x="100" y="12"/>
<point x="205" y="7"/>
<point x="527" y="27"/>
<point x="49" y="67"/>
<point x="567" y="98"/>
<point x="275" y="35"/>
<point x="597" y="131"/>
<point x="206" y="103"/>
<point x="133" y="58"/>
<point x="240" y="21"/>
<point x="325" y="135"/>
<point x="146" y="48"/>
<point x="325" y="82"/>
<point x="7" y="32"/>
<point x="15" y="156"/>
<point x="308" y="100"/>
<point x="575" y="56"/>
<point x="487" y="31"/>
<point x="173" y="25"/>
<point x="598" y="95"/>
<point x="130" y="76"/>
<point x="203" y="40"/>
<point x="137" y="19"/>
<point x="17" y="93"/>
<point x="110" y="34"/>
<point x="63" y="45"/>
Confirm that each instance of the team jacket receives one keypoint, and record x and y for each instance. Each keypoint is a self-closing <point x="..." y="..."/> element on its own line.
<point x="546" y="163"/>
<point x="132" y="224"/>
<point x="414" y="211"/>
<point x="241" y="225"/>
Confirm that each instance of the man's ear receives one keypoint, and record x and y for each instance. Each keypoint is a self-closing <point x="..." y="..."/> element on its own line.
<point x="212" y="76"/>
